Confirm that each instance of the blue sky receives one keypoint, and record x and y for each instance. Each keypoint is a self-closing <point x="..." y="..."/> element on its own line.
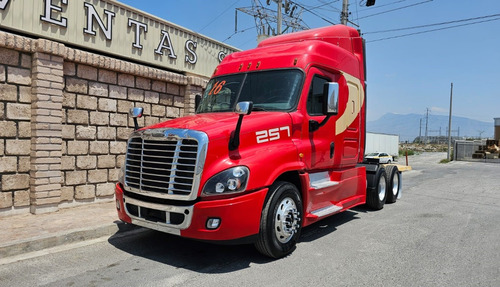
<point x="406" y="74"/>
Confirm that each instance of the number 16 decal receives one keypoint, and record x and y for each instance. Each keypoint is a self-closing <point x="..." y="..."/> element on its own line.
<point x="271" y="134"/>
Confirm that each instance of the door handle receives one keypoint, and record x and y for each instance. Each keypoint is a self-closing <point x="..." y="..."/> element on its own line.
<point x="332" y="148"/>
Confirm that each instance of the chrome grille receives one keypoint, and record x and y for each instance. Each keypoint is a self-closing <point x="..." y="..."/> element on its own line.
<point x="164" y="166"/>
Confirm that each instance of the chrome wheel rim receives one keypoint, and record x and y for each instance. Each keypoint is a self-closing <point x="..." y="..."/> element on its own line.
<point x="286" y="220"/>
<point x="381" y="189"/>
<point x="395" y="184"/>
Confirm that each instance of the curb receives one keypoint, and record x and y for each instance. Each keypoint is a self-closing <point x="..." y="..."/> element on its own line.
<point x="402" y="168"/>
<point x="63" y="238"/>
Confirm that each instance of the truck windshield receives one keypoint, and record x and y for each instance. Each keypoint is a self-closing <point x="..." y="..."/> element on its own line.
<point x="276" y="90"/>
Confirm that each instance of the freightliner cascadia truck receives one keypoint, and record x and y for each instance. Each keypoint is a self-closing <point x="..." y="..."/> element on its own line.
<point x="276" y="144"/>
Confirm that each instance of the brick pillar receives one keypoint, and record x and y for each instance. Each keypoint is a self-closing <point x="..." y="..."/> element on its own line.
<point x="46" y="129"/>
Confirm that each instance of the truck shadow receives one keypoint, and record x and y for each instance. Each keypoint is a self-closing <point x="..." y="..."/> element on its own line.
<point x="326" y="226"/>
<point x="206" y="257"/>
<point x="185" y="253"/>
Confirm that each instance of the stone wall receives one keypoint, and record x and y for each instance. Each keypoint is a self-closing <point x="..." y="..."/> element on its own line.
<point x="64" y="120"/>
<point x="15" y="129"/>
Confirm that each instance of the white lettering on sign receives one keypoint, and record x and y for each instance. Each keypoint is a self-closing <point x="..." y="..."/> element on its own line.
<point x="190" y="47"/>
<point x="271" y="134"/>
<point x="162" y="45"/>
<point x="147" y="35"/>
<point x="47" y="13"/>
<point x="221" y="56"/>
<point x="92" y="15"/>
<point x="138" y="25"/>
<point x="3" y="4"/>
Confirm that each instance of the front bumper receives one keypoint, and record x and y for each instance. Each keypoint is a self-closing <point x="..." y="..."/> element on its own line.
<point x="239" y="216"/>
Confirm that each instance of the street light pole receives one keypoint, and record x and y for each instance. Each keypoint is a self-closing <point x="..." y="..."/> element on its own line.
<point x="449" y="122"/>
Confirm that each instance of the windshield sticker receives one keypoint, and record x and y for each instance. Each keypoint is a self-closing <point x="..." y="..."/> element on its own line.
<point x="216" y="88"/>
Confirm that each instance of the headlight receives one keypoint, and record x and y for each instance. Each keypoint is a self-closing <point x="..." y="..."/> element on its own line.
<point x="229" y="181"/>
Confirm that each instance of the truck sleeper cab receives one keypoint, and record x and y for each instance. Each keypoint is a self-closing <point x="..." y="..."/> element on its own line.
<point x="276" y="144"/>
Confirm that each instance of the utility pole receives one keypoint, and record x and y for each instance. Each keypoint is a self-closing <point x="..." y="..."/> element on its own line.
<point x="345" y="12"/>
<point x="449" y="122"/>
<point x="426" y="125"/>
<point x="280" y="17"/>
<point x="420" y="132"/>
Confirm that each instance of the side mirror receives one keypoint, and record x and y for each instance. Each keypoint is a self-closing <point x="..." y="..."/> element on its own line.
<point x="244" y="108"/>
<point x="331" y="98"/>
<point x="197" y="101"/>
<point x="330" y="105"/>
<point x="135" y="113"/>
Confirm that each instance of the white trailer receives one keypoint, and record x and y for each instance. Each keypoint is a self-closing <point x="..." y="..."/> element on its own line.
<point x="376" y="142"/>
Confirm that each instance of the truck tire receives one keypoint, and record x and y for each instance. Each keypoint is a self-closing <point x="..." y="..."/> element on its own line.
<point x="376" y="194"/>
<point x="281" y="221"/>
<point x="393" y="183"/>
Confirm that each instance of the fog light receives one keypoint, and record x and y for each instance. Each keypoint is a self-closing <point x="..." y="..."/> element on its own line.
<point x="213" y="223"/>
<point x="117" y="204"/>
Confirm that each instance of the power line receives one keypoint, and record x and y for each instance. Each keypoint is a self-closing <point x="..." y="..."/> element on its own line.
<point x="310" y="11"/>
<point x="240" y="31"/>
<point x="324" y="4"/>
<point x="432" y="30"/>
<point x="430" y="25"/>
<point x="217" y="17"/>
<point x="419" y="3"/>
<point x="362" y="3"/>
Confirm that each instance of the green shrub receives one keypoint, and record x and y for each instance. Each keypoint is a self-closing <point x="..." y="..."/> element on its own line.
<point x="402" y="152"/>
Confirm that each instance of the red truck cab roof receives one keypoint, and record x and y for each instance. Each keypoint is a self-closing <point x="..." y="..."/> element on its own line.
<point x="333" y="46"/>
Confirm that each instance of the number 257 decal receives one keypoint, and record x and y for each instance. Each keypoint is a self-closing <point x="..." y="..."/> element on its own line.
<point x="271" y="134"/>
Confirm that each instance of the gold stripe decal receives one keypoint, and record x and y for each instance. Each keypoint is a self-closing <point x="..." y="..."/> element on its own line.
<point x="354" y="103"/>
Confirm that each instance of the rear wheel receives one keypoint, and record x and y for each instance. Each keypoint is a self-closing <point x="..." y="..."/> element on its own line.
<point x="393" y="183"/>
<point x="376" y="194"/>
<point x="281" y="221"/>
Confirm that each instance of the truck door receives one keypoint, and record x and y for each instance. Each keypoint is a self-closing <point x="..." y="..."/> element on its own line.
<point x="320" y="144"/>
<point x="336" y="144"/>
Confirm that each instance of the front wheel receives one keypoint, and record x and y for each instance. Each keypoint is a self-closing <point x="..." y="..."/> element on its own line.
<point x="281" y="221"/>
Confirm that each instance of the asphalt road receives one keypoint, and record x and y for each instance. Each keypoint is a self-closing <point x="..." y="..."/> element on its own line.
<point x="445" y="231"/>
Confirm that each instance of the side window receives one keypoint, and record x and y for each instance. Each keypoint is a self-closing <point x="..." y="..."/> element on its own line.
<point x="315" y="97"/>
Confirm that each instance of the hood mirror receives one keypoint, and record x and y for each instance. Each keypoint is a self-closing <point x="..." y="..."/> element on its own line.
<point x="135" y="113"/>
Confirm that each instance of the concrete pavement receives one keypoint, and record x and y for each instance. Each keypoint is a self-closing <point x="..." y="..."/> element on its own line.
<point x="27" y="233"/>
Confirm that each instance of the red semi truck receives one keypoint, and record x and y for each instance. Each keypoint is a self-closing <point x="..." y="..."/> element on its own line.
<point x="276" y="144"/>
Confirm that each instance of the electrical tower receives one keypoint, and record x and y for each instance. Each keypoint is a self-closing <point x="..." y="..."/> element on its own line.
<point x="270" y="22"/>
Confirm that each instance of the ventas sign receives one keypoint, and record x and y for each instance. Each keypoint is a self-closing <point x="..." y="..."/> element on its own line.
<point x="115" y="28"/>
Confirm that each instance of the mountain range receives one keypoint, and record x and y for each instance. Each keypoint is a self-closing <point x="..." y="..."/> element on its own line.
<point x="410" y="126"/>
